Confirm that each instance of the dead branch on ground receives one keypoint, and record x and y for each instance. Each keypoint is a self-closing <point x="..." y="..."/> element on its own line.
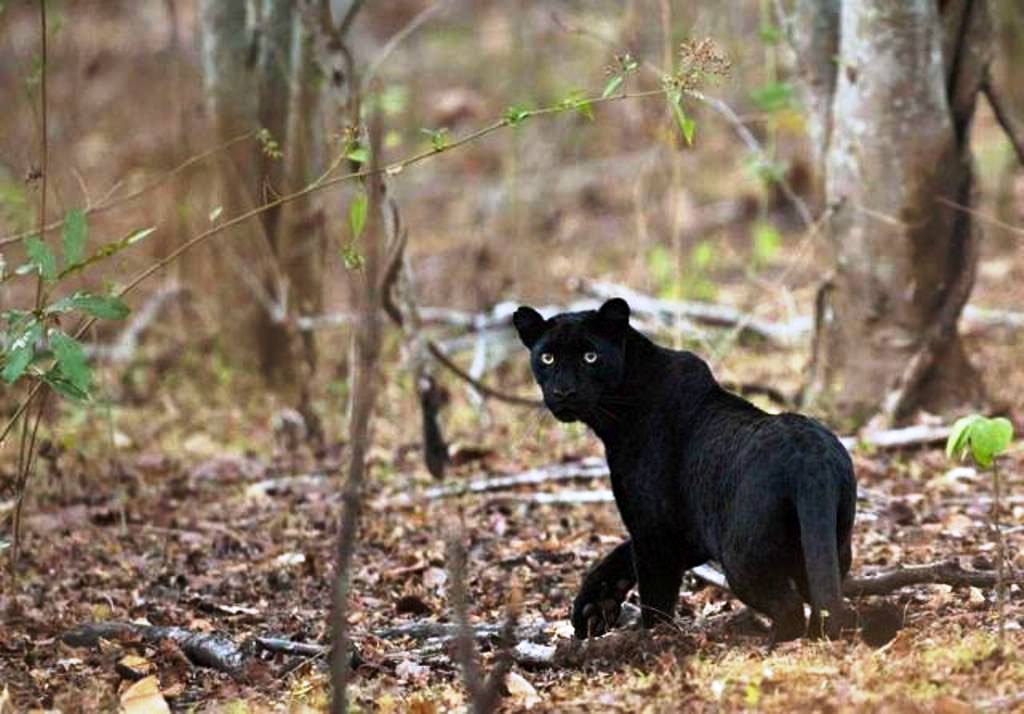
<point x="202" y="649"/>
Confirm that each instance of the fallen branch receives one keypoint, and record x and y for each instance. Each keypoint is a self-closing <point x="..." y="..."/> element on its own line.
<point x="583" y="470"/>
<point x="946" y="572"/>
<point x="202" y="649"/>
<point x="668" y="312"/>
<point x="559" y="498"/>
<point x="123" y="349"/>
<point x="885" y="439"/>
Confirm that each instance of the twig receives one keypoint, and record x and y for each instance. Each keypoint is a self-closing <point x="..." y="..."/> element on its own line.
<point x="27" y="447"/>
<point x="465" y="647"/>
<point x="366" y="349"/>
<point x="1000" y="554"/>
<point x="399" y="37"/>
<point x="350" y="16"/>
<point x="479" y="386"/>
<point x="106" y="203"/>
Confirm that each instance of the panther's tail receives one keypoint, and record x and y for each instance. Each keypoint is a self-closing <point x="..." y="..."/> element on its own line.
<point x="818" y="515"/>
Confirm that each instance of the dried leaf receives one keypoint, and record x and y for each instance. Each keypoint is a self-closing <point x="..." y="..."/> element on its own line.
<point x="144" y="697"/>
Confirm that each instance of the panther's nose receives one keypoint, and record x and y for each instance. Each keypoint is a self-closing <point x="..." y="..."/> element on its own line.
<point x="563" y="392"/>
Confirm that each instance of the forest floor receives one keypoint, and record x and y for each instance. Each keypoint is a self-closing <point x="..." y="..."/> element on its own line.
<point x="172" y="500"/>
<point x="180" y="512"/>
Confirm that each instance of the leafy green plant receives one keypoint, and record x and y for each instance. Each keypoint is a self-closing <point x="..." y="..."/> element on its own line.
<point x="985" y="439"/>
<point x="35" y="345"/>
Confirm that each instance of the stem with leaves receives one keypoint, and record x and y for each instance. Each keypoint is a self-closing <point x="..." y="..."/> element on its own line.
<point x="984" y="439"/>
<point x="27" y="447"/>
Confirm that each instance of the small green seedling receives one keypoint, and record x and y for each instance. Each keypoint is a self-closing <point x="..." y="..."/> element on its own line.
<point x="985" y="439"/>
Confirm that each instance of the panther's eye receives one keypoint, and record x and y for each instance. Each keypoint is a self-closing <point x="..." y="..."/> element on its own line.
<point x="590" y="357"/>
<point x="547" y="358"/>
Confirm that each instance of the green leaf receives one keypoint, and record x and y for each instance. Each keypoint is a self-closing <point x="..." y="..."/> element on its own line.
<point x="20" y="352"/>
<point x="438" y="138"/>
<point x="773" y="97"/>
<point x="41" y="258"/>
<point x="577" y="101"/>
<point x="956" y="443"/>
<point x="64" y="386"/>
<point x="71" y="362"/>
<point x="76" y="232"/>
<point x="105" y="307"/>
<point x="686" y="124"/>
<point x="357" y="152"/>
<point x="516" y="115"/>
<point x="612" y="85"/>
<point x="989" y="438"/>
<point x="357" y="214"/>
<point x="985" y="438"/>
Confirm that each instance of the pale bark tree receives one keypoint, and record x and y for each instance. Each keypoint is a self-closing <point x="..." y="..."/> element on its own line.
<point x="259" y="75"/>
<point x="892" y="86"/>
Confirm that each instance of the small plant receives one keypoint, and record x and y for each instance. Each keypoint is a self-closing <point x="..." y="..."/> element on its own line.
<point x="985" y="439"/>
<point x="35" y="346"/>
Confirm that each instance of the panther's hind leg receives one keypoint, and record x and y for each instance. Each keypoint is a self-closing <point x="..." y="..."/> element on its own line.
<point x="773" y="595"/>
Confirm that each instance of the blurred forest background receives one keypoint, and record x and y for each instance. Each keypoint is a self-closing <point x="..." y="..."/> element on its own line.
<point x="163" y="495"/>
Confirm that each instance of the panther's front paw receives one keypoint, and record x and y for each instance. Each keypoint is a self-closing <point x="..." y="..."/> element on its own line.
<point x="596" y="609"/>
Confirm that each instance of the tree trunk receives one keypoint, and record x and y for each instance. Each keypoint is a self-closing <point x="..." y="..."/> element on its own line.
<point x="275" y="59"/>
<point x="895" y="157"/>
<point x="259" y="74"/>
<point x="1006" y="74"/>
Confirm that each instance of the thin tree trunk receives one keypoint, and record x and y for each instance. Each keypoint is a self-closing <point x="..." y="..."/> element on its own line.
<point x="275" y="59"/>
<point x="896" y="157"/>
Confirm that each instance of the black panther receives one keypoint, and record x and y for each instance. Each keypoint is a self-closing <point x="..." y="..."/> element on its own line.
<point x="698" y="474"/>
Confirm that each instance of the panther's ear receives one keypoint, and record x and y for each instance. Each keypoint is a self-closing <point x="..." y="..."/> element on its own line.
<point x="530" y="325"/>
<point x="614" y="314"/>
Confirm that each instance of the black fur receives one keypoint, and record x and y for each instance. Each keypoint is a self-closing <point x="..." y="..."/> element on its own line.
<point x="698" y="474"/>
